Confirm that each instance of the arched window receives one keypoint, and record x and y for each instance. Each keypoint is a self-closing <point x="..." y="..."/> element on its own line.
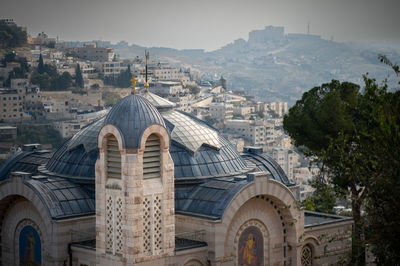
<point x="306" y="256"/>
<point x="152" y="157"/>
<point x="113" y="158"/>
<point x="114" y="204"/>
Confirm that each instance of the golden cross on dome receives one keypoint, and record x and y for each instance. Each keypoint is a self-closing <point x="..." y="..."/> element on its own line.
<point x="133" y="84"/>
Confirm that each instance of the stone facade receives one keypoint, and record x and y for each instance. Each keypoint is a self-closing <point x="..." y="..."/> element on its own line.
<point x="138" y="195"/>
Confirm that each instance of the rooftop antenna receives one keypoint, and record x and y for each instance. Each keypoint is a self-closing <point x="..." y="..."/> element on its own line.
<point x="147" y="55"/>
<point x="308" y="28"/>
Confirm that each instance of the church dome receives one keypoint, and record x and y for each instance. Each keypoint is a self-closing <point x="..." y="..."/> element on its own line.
<point x="131" y="116"/>
<point x="198" y="150"/>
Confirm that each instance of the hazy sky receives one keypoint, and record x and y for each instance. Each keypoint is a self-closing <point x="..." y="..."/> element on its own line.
<point x="204" y="24"/>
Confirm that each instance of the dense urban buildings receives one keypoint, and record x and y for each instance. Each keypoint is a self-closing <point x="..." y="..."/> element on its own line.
<point x="180" y="170"/>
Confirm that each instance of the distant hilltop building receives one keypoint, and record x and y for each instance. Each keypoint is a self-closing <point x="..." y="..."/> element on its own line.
<point x="269" y="36"/>
<point x="41" y="39"/>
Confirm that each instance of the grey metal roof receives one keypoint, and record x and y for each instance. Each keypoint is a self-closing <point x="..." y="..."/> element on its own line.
<point x="25" y="161"/>
<point x="87" y="136"/>
<point x="77" y="157"/>
<point x="265" y="163"/>
<point x="158" y="102"/>
<point x="318" y="218"/>
<point x="132" y="115"/>
<point x="209" y="199"/>
<point x="63" y="199"/>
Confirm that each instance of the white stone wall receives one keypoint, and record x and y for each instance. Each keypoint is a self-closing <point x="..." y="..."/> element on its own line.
<point x="330" y="243"/>
<point x="135" y="191"/>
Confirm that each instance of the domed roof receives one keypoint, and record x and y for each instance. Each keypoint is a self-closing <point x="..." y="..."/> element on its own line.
<point x="131" y="116"/>
<point x="197" y="149"/>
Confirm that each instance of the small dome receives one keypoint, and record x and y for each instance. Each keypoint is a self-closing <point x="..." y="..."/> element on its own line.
<point x="131" y="116"/>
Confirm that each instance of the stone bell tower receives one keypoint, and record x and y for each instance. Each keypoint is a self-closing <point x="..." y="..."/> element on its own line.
<point x="135" y="220"/>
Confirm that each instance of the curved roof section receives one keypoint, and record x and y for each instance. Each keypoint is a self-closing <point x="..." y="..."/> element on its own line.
<point x="265" y="163"/>
<point x="76" y="162"/>
<point x="191" y="132"/>
<point x="87" y="136"/>
<point x="62" y="198"/>
<point x="131" y="116"/>
<point x="208" y="200"/>
<point x="158" y="102"/>
<point x="25" y="161"/>
<point x="206" y="162"/>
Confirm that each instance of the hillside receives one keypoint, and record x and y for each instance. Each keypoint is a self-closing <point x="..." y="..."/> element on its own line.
<point x="280" y="68"/>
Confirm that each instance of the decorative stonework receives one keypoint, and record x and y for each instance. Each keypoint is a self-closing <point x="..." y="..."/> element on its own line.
<point x="147" y="206"/>
<point x="109" y="224"/>
<point x="114" y="219"/>
<point x="152" y="225"/>
<point x="306" y="256"/>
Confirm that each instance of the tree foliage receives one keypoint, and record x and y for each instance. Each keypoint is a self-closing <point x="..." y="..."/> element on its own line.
<point x="40" y="67"/>
<point x="122" y="80"/>
<point x="354" y="135"/>
<point x="48" y="79"/>
<point x="42" y="134"/>
<point x="11" y="36"/>
<point x="78" y="76"/>
<point x="110" y="98"/>
<point x="323" y="199"/>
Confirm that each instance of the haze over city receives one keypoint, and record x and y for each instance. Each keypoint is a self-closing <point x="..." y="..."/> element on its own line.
<point x="204" y="24"/>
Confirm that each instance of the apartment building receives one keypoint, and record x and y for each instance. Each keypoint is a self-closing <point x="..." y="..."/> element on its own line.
<point x="182" y="101"/>
<point x="20" y="102"/>
<point x="111" y="68"/>
<point x="221" y="111"/>
<point x="280" y="108"/>
<point x="252" y="131"/>
<point x="165" y="88"/>
<point x="287" y="159"/>
<point x="94" y="53"/>
<point x="244" y="111"/>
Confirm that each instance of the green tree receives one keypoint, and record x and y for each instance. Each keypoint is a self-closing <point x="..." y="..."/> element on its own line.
<point x="222" y="82"/>
<point x="61" y="82"/>
<point x="355" y="135"/>
<point x="9" y="57"/>
<point x="39" y="134"/>
<point x="11" y="36"/>
<point x="40" y="67"/>
<point x="110" y="98"/>
<point x="323" y="199"/>
<point x="124" y="78"/>
<point x="194" y="89"/>
<point x="78" y="76"/>
<point x="323" y="121"/>
<point x="42" y="80"/>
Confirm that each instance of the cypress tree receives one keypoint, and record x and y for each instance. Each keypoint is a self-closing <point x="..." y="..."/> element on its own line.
<point x="40" y="67"/>
<point x="78" y="77"/>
